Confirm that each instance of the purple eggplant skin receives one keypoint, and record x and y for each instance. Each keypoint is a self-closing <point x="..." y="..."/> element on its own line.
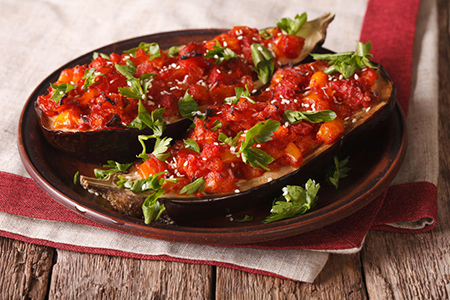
<point x="119" y="144"/>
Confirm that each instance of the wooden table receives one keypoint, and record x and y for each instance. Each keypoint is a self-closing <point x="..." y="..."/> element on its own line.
<point x="390" y="265"/>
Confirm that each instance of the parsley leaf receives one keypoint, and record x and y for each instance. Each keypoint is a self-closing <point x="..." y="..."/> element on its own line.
<point x="191" y="144"/>
<point x="260" y="133"/>
<point x="263" y="61"/>
<point x="76" y="178"/>
<point x="265" y="34"/>
<point x="141" y="185"/>
<point x="188" y="107"/>
<point x="340" y="171"/>
<point x="295" y="201"/>
<point x="232" y="142"/>
<point x="295" y="116"/>
<point x="137" y="88"/>
<point x="193" y="187"/>
<point x="161" y="146"/>
<point x="151" y="49"/>
<point x="291" y="27"/>
<point x="220" y="53"/>
<point x="173" y="51"/>
<point x="60" y="89"/>
<point x="247" y="218"/>
<point x="151" y="208"/>
<point x="348" y="63"/>
<point x="240" y="93"/>
<point x="127" y="70"/>
<point x="114" y="167"/>
<point x="89" y="76"/>
<point x="154" y="120"/>
<point x="97" y="54"/>
<point x="257" y="158"/>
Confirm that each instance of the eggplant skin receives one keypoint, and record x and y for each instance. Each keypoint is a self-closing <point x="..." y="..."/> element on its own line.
<point x="261" y="190"/>
<point x="120" y="144"/>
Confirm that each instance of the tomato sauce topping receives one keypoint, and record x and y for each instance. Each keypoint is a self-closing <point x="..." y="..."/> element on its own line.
<point x="96" y="102"/>
<point x="304" y="88"/>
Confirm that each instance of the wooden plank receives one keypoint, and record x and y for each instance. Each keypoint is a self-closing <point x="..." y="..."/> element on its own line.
<point x="340" y="279"/>
<point x="399" y="266"/>
<point x="25" y="270"/>
<point x="92" y="276"/>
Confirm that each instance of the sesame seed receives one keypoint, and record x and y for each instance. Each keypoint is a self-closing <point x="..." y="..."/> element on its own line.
<point x="269" y="179"/>
<point x="237" y="191"/>
<point x="356" y="77"/>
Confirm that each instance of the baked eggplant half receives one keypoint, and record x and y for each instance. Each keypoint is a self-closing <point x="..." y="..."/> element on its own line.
<point x="245" y="151"/>
<point x="96" y="110"/>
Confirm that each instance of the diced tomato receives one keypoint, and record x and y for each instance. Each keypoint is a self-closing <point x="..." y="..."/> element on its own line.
<point x="151" y="166"/>
<point x="289" y="46"/>
<point x="220" y="182"/>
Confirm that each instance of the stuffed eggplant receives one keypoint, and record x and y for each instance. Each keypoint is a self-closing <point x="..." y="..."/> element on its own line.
<point x="94" y="111"/>
<point x="247" y="149"/>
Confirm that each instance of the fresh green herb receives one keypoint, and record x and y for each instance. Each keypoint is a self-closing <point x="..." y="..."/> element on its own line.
<point x="260" y="133"/>
<point x="128" y="70"/>
<point x="114" y="167"/>
<point x="240" y="93"/>
<point x="291" y="27"/>
<point x="151" y="49"/>
<point x="89" y="76"/>
<point x="137" y="88"/>
<point x="232" y="142"/>
<point x="263" y="60"/>
<point x="348" y="63"/>
<point x="220" y="53"/>
<point x="76" y="178"/>
<point x="161" y="146"/>
<point x="188" y="107"/>
<point x="193" y="187"/>
<point x="339" y="171"/>
<point x="247" y="218"/>
<point x="97" y="54"/>
<point x="295" y="116"/>
<point x="295" y="201"/>
<point x="264" y="34"/>
<point x="191" y="144"/>
<point x="153" y="183"/>
<point x="151" y="208"/>
<point x="60" y="90"/>
<point x="257" y="158"/>
<point x="154" y="120"/>
<point x="217" y="124"/>
<point x="173" y="51"/>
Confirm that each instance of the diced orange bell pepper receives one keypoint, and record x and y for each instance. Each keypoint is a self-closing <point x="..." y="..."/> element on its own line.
<point x="329" y="132"/>
<point x="67" y="119"/>
<point x="318" y="79"/>
<point x="293" y="154"/>
<point x="227" y="157"/>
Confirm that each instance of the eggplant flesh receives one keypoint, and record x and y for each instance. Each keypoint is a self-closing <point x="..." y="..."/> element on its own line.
<point x="266" y="187"/>
<point x="121" y="144"/>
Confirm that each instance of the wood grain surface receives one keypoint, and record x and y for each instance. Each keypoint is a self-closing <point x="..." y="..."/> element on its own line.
<point x="390" y="266"/>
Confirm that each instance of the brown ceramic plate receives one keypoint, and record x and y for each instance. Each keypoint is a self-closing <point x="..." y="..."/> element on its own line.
<point x="375" y="160"/>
